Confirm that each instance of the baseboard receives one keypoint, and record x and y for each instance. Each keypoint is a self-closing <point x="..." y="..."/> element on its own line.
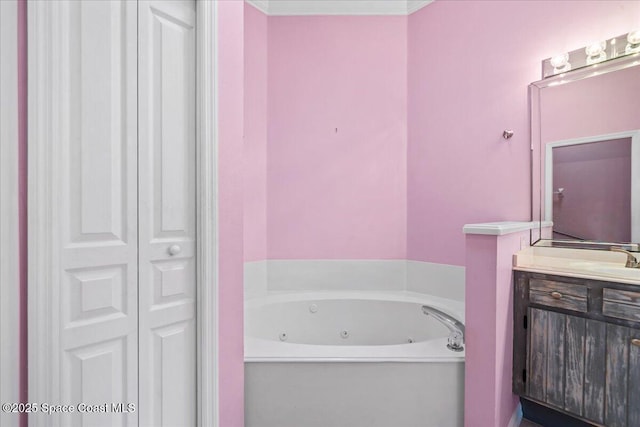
<point x="546" y="416"/>
<point x="516" y="418"/>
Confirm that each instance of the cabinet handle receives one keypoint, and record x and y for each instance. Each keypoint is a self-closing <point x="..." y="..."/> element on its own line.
<point x="556" y="295"/>
<point x="635" y="342"/>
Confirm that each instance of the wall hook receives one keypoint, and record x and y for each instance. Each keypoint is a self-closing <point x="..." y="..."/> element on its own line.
<point x="507" y="134"/>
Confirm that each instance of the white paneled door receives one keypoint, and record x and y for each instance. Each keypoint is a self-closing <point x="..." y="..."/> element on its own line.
<point x="167" y="224"/>
<point x="97" y="211"/>
<point x="120" y="292"/>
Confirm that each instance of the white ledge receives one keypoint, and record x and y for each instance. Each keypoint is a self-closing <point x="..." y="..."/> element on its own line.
<point x="338" y="7"/>
<point x="502" y="228"/>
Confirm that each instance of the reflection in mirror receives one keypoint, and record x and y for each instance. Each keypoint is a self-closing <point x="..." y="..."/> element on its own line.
<point x="584" y="129"/>
<point x="589" y="188"/>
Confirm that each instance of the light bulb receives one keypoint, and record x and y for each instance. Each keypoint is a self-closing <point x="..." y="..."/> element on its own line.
<point x="560" y="63"/>
<point x="634" y="37"/>
<point x="595" y="49"/>
<point x="595" y="52"/>
<point x="633" y="45"/>
<point x="559" y="60"/>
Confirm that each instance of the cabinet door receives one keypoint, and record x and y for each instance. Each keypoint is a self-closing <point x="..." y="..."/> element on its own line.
<point x="585" y="367"/>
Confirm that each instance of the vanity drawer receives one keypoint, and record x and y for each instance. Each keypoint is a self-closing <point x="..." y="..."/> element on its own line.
<point x="558" y="294"/>
<point x="621" y="304"/>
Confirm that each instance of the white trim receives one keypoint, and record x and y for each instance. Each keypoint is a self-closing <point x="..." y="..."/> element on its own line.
<point x="501" y="228"/>
<point x="45" y="26"/>
<point x="261" y="5"/>
<point x="338" y="7"/>
<point x="207" y="212"/>
<point x="9" y="244"/>
<point x="635" y="173"/>
<point x="416" y="5"/>
<point x="43" y="121"/>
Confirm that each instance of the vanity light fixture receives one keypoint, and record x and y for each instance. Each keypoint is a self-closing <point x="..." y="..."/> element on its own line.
<point x="593" y="54"/>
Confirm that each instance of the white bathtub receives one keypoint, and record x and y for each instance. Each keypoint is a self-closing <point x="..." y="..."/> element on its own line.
<point x="353" y="358"/>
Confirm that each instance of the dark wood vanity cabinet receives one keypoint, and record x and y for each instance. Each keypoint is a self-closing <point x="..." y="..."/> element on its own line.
<point x="577" y="347"/>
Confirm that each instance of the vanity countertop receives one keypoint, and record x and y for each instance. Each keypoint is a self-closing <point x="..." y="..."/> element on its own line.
<point x="581" y="263"/>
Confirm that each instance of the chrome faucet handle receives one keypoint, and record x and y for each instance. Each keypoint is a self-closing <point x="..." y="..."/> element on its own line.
<point x="455" y="341"/>
<point x="632" y="261"/>
<point x="456" y="328"/>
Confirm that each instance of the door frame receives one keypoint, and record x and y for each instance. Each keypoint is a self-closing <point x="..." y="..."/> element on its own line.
<point x="634" y="135"/>
<point x="9" y="211"/>
<point x="44" y="24"/>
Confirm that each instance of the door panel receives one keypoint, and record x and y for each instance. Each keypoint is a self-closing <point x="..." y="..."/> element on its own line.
<point x="98" y="143"/>
<point x="95" y="295"/>
<point x="171" y="282"/>
<point x="170" y="96"/>
<point x="97" y="210"/>
<point x="167" y="213"/>
<point x="95" y="371"/>
<point x="173" y="365"/>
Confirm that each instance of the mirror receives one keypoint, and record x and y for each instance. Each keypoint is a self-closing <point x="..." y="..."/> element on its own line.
<point x="585" y="129"/>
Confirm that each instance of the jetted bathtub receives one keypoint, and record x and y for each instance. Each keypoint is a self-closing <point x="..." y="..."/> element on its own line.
<point x="334" y="359"/>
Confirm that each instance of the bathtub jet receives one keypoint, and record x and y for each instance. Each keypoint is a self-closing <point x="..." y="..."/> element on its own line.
<point x="456" y="328"/>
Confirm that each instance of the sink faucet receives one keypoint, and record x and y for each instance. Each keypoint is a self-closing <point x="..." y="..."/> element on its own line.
<point x="632" y="262"/>
<point x="456" y="327"/>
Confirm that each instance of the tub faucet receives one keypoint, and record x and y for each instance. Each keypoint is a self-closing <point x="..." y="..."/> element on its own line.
<point x="632" y="262"/>
<point x="456" y="327"/>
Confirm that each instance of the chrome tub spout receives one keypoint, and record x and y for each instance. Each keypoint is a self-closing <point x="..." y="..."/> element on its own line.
<point x="456" y="327"/>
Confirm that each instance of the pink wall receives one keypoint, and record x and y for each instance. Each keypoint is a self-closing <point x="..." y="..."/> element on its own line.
<point x="255" y="134"/>
<point x="336" y="175"/>
<point x="230" y="212"/>
<point x="469" y="65"/>
<point x="489" y="328"/>
<point x="480" y="356"/>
